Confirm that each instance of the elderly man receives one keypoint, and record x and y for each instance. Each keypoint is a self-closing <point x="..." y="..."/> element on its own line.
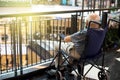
<point x="75" y="43"/>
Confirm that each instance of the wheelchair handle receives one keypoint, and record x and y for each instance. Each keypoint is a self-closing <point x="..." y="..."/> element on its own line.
<point x="92" y="21"/>
<point x="113" y="20"/>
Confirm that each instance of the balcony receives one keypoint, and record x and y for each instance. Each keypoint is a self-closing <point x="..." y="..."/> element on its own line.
<point x="28" y="38"/>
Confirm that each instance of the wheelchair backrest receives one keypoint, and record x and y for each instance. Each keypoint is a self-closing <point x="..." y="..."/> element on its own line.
<point x="95" y="39"/>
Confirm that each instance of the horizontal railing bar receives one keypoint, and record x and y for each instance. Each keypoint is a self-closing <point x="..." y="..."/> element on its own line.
<point x="52" y="12"/>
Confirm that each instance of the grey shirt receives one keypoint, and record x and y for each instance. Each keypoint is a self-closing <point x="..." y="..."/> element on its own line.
<point x="78" y="39"/>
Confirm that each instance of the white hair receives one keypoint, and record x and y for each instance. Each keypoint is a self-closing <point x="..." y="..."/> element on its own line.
<point x="94" y="17"/>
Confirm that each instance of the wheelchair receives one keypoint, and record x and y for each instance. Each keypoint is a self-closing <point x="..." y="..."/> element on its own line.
<point x="92" y="52"/>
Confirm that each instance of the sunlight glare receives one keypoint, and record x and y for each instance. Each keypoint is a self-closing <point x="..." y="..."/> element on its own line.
<point x="44" y="8"/>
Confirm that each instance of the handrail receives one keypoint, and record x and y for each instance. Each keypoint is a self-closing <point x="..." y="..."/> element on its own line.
<point x="52" y="12"/>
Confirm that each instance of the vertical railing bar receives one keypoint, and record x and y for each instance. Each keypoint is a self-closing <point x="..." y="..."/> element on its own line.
<point x="48" y="41"/>
<point x="68" y="30"/>
<point x="14" y="51"/>
<point x="53" y="24"/>
<point x="16" y="38"/>
<point x="46" y="56"/>
<point x="11" y="34"/>
<point x="30" y="33"/>
<point x="27" y="55"/>
<point x="52" y="43"/>
<point x="26" y="42"/>
<point x="48" y="25"/>
<point x="35" y="33"/>
<point x="65" y="26"/>
<point x="20" y="47"/>
<point x="83" y="5"/>
<point x="94" y="5"/>
<point x="77" y="20"/>
<point x="17" y="41"/>
<point x="57" y="26"/>
<point x="31" y="24"/>
<point x="45" y="38"/>
<point x="11" y="63"/>
<point x="83" y="14"/>
<point x="88" y="4"/>
<point x="6" y="54"/>
<point x="104" y="3"/>
<point x="82" y="20"/>
<point x="17" y="56"/>
<point x="99" y="6"/>
<point x="91" y="4"/>
<point x="37" y="43"/>
<point x="40" y="37"/>
<point x="60" y="27"/>
<point x="69" y="20"/>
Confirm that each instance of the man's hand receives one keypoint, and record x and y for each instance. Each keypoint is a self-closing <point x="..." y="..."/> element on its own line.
<point x="67" y="39"/>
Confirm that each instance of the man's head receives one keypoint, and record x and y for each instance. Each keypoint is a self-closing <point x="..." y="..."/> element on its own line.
<point x="93" y="17"/>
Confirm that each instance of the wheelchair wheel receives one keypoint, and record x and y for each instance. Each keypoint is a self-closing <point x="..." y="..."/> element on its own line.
<point x="102" y="75"/>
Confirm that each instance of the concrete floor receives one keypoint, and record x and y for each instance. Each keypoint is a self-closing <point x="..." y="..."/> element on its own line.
<point x="110" y="60"/>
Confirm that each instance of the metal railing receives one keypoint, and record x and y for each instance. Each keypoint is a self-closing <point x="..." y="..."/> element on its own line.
<point x="28" y="39"/>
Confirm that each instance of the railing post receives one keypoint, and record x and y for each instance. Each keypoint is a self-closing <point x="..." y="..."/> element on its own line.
<point x="104" y="19"/>
<point x="73" y="24"/>
<point x="104" y="25"/>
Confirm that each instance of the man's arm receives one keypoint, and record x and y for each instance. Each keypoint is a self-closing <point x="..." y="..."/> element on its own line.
<point x="77" y="36"/>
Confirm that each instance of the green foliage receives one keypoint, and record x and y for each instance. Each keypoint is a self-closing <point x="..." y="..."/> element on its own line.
<point x="112" y="38"/>
<point x="14" y="4"/>
<point x="118" y="3"/>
